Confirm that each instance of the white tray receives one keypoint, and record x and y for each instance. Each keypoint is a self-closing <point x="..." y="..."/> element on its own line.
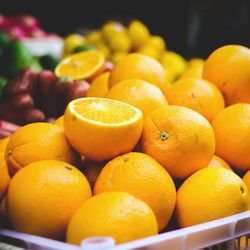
<point x="196" y="237"/>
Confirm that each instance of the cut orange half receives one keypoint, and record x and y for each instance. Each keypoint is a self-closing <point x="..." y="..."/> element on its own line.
<point x="100" y="128"/>
<point x="81" y="65"/>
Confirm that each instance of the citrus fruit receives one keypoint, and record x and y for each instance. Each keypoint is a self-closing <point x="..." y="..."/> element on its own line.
<point x="71" y="42"/>
<point x="157" y="42"/>
<point x="141" y="94"/>
<point x="179" y="138"/>
<point x="36" y="142"/>
<point x="218" y="162"/>
<point x="3" y="214"/>
<point x="43" y="196"/>
<point x="117" y="56"/>
<point x="99" y="87"/>
<point x="4" y="176"/>
<point x="81" y="65"/>
<point x="138" y="33"/>
<point x="196" y="62"/>
<point x="197" y="94"/>
<point x="232" y="133"/>
<point x="94" y="37"/>
<point x="246" y="179"/>
<point x="104" y="49"/>
<point x="100" y="128"/>
<point x="193" y="72"/>
<point x="150" y="50"/>
<point x="138" y="66"/>
<point x="228" y="68"/>
<point x="120" y="42"/>
<point x="111" y="28"/>
<point x="116" y="214"/>
<point x="3" y="144"/>
<point x="143" y="177"/>
<point x="210" y="194"/>
<point x="174" y="63"/>
<point x="59" y="121"/>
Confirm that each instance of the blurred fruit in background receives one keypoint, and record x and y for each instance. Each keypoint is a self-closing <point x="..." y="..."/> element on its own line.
<point x="115" y="41"/>
<point x="22" y="27"/>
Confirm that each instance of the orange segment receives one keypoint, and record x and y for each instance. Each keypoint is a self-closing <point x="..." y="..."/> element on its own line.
<point x="81" y="65"/>
<point x="100" y="128"/>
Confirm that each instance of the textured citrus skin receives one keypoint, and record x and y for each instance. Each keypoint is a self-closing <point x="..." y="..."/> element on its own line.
<point x="138" y="66"/>
<point x="99" y="87"/>
<point x="116" y="214"/>
<point x="4" y="172"/>
<point x="179" y="138"/>
<point x="36" y="142"/>
<point x="141" y="94"/>
<point x="4" y="176"/>
<point x="43" y="196"/>
<point x="59" y="121"/>
<point x="218" y="162"/>
<point x="228" y="68"/>
<point x="232" y="132"/>
<point x="197" y="94"/>
<point x="143" y="177"/>
<point x="102" y="141"/>
<point x="210" y="194"/>
<point x="246" y="179"/>
<point x="193" y="72"/>
<point x="3" y="144"/>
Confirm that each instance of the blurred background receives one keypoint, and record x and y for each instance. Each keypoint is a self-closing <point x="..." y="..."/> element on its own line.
<point x="193" y="28"/>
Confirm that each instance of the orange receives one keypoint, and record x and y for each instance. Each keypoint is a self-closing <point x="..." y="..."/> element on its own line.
<point x="3" y="144"/>
<point x="4" y="176"/>
<point x="3" y="214"/>
<point x="4" y="172"/>
<point x="246" y="179"/>
<point x="36" y="142"/>
<point x="218" y="162"/>
<point x="43" y="196"/>
<point x="141" y="94"/>
<point x="228" y="68"/>
<point x="193" y="72"/>
<point x="197" y="94"/>
<point x="210" y="194"/>
<point x="81" y="65"/>
<point x="179" y="138"/>
<point x="99" y="87"/>
<point x="143" y="177"/>
<point x="100" y="128"/>
<point x="138" y="66"/>
<point x="116" y="214"/>
<point x="59" y="121"/>
<point x="232" y="132"/>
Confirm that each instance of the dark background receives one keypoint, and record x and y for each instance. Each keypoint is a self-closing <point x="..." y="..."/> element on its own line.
<point x="190" y="27"/>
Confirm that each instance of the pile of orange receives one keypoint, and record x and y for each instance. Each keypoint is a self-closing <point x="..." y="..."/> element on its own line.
<point x="110" y="165"/>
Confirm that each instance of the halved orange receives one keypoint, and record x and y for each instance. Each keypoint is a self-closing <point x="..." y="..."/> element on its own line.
<point x="101" y="128"/>
<point x="81" y="65"/>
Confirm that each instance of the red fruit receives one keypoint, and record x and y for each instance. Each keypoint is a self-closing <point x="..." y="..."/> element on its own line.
<point x="16" y="33"/>
<point x="4" y="22"/>
<point x="27" y="22"/>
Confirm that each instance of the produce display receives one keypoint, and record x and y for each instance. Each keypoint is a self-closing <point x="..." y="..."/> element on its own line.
<point x="124" y="138"/>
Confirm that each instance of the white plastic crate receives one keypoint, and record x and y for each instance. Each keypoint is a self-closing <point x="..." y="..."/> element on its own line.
<point x="228" y="230"/>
